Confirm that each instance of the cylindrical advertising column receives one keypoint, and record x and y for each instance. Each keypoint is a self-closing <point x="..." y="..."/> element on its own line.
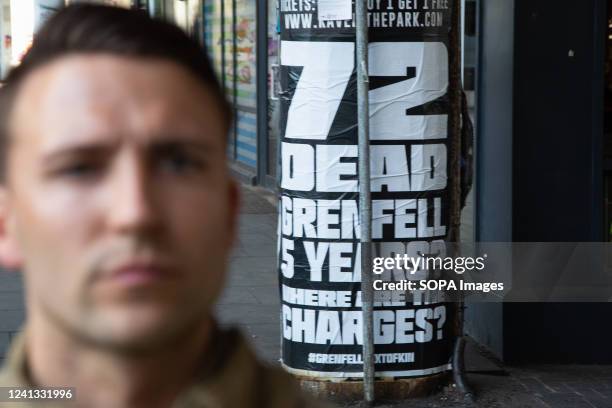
<point x="319" y="259"/>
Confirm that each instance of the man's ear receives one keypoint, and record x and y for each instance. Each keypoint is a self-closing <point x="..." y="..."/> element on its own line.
<point x="10" y="255"/>
<point x="234" y="209"/>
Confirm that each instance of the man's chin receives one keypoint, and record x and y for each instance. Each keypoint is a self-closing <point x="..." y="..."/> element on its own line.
<point x="142" y="331"/>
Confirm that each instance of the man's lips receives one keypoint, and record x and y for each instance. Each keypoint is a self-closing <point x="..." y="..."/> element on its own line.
<point x="140" y="273"/>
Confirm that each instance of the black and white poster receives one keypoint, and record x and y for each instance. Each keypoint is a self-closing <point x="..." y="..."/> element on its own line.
<point x="318" y="248"/>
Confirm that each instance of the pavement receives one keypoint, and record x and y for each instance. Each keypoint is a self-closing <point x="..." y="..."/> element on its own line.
<point x="12" y="310"/>
<point x="251" y="302"/>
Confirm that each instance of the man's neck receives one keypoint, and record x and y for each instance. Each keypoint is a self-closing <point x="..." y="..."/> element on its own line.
<point x="106" y="379"/>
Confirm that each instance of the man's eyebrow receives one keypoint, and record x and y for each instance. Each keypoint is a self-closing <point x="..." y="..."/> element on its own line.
<point x="76" y="150"/>
<point x="174" y="144"/>
<point x="157" y="145"/>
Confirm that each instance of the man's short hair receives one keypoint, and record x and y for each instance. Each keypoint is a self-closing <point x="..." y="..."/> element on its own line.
<point x="86" y="29"/>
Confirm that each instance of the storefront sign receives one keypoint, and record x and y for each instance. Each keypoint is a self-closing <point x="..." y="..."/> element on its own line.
<point x="27" y="16"/>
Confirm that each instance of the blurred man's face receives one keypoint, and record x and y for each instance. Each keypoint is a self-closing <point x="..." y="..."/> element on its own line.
<point x="118" y="204"/>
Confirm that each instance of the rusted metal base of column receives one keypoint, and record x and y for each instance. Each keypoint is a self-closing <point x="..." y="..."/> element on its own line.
<point x="385" y="390"/>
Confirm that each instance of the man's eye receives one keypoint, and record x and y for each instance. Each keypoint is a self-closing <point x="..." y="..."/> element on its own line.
<point x="180" y="163"/>
<point x="79" y="170"/>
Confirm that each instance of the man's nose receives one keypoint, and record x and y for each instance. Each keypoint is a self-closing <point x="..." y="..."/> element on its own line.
<point x="132" y="199"/>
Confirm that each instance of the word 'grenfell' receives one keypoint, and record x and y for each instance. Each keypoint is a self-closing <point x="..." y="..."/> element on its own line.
<point x="339" y="219"/>
<point x="333" y="168"/>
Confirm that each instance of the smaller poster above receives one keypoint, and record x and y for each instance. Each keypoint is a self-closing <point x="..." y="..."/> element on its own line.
<point x="335" y="10"/>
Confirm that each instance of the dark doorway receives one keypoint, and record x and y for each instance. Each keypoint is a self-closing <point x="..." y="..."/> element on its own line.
<point x="608" y="126"/>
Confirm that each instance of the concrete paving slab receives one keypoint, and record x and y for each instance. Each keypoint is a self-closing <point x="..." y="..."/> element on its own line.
<point x="248" y="314"/>
<point x="236" y="296"/>
<point x="11" y="301"/>
<point x="11" y="282"/>
<point x="4" y="344"/>
<point x="11" y="320"/>
<point x="267" y="295"/>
